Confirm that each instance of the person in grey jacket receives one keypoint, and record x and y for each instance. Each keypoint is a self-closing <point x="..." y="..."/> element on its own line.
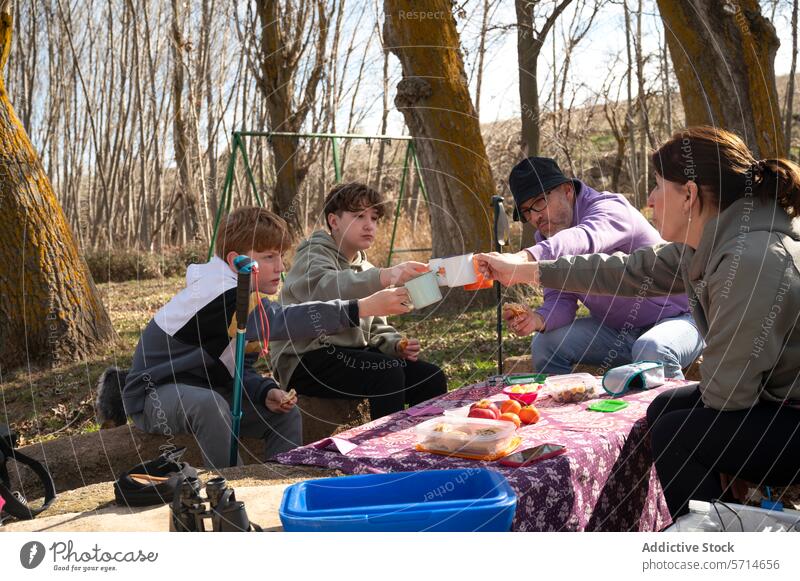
<point x="370" y="360"/>
<point x="735" y="251"/>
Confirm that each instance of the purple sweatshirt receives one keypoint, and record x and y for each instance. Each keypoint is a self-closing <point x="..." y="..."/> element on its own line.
<point x="606" y="223"/>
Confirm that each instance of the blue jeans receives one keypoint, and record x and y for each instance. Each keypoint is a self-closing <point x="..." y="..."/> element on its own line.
<point x="675" y="342"/>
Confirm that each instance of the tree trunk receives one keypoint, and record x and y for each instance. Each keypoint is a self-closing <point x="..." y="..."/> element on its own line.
<point x="528" y="48"/>
<point x="789" y="112"/>
<point x="645" y="135"/>
<point x="724" y="55"/>
<point x="281" y="49"/>
<point x="481" y="56"/>
<point x="50" y="307"/>
<point x="182" y="136"/>
<point x="530" y="41"/>
<point x="630" y="124"/>
<point x="434" y="98"/>
<point x="378" y="185"/>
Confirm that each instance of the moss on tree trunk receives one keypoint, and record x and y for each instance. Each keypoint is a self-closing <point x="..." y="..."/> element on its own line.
<point x="724" y="57"/>
<point x="434" y="98"/>
<point x="50" y="311"/>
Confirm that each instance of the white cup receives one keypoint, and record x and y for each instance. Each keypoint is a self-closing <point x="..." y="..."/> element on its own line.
<point x="424" y="290"/>
<point x="457" y="270"/>
<point x="437" y="266"/>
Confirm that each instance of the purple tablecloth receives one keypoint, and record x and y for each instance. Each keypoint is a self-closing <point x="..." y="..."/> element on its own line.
<point x="605" y="482"/>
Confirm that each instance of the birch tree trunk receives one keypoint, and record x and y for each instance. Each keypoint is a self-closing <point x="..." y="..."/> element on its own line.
<point x="724" y="56"/>
<point x="49" y="307"/>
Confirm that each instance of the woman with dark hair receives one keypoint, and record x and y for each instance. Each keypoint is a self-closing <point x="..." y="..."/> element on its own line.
<point x="735" y="251"/>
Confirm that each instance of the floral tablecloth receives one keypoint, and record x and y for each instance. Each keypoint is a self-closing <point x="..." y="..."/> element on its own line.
<point x="606" y="481"/>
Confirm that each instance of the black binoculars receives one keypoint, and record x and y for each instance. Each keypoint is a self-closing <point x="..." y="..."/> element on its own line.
<point x="188" y="511"/>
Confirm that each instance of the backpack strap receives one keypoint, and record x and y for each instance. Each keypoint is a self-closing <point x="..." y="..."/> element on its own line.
<point x="16" y="505"/>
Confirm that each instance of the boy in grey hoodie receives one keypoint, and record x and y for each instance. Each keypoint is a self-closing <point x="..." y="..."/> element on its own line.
<point x="371" y="359"/>
<point x="182" y="374"/>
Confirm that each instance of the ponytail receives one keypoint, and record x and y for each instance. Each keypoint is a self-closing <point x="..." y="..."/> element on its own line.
<point x="724" y="169"/>
<point x="779" y="180"/>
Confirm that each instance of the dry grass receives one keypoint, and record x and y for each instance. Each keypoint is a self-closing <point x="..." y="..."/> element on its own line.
<point x="410" y="234"/>
<point x="44" y="403"/>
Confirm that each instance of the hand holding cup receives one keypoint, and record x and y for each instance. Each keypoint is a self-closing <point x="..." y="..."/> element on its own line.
<point x="508" y="269"/>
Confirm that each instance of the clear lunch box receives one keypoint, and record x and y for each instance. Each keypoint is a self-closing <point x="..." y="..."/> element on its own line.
<point x="571" y="388"/>
<point x="476" y="436"/>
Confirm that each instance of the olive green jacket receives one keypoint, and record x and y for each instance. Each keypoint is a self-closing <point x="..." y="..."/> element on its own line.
<point x="319" y="273"/>
<point x="743" y="284"/>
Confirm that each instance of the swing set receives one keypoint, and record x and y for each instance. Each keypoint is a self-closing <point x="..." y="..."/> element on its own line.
<point x="238" y="146"/>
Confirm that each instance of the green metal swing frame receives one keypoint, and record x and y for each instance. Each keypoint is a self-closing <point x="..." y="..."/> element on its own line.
<point x="238" y="145"/>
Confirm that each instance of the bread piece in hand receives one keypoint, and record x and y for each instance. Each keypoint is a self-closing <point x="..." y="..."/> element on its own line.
<point x="402" y="344"/>
<point x="514" y="309"/>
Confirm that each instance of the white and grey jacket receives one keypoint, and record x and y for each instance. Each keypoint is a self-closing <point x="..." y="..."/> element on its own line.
<point x="191" y="339"/>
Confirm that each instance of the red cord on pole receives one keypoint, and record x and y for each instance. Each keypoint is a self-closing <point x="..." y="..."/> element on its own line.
<point x="262" y="319"/>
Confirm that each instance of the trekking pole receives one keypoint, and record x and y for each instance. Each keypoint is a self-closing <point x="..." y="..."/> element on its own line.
<point x="244" y="266"/>
<point x="501" y="230"/>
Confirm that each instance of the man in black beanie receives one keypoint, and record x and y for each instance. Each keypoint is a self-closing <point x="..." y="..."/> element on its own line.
<point x="571" y="218"/>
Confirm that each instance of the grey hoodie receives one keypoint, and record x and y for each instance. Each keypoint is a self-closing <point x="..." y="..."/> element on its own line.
<point x="320" y="272"/>
<point x="191" y="339"/>
<point x="743" y="285"/>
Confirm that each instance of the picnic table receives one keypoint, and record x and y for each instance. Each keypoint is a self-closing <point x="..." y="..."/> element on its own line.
<point x="605" y="481"/>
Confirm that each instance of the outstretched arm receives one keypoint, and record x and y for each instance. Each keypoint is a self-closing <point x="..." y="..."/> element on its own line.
<point x="649" y="271"/>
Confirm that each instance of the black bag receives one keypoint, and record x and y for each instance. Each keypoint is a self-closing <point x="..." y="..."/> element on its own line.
<point x="15" y="503"/>
<point x="153" y="482"/>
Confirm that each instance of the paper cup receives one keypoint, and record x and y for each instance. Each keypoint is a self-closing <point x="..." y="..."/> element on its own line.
<point x="437" y="266"/>
<point x="454" y="271"/>
<point x="424" y="290"/>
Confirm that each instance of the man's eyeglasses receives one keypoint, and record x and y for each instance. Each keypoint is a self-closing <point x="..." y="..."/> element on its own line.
<point x="539" y="204"/>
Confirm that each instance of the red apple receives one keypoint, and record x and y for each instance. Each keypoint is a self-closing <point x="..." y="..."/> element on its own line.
<point x="483" y="413"/>
<point x="484" y="409"/>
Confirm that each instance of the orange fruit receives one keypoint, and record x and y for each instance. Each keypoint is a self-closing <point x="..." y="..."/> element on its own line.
<point x="509" y="417"/>
<point x="510" y="406"/>
<point x="529" y="415"/>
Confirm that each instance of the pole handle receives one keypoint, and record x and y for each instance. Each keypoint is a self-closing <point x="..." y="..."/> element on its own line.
<point x="244" y="267"/>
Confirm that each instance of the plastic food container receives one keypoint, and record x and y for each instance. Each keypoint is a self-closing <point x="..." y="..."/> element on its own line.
<point x="571" y="388"/>
<point x="524" y="393"/>
<point x="474" y="436"/>
<point x="474" y="499"/>
<point x="461" y="412"/>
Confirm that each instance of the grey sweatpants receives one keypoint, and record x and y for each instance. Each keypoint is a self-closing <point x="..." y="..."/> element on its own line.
<point x="180" y="409"/>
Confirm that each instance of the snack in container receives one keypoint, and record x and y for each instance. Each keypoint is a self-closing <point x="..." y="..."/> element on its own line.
<point x="474" y="436"/>
<point x="525" y="393"/>
<point x="571" y="388"/>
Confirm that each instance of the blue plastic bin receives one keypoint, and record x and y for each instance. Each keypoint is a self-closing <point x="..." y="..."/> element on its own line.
<point x="469" y="499"/>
